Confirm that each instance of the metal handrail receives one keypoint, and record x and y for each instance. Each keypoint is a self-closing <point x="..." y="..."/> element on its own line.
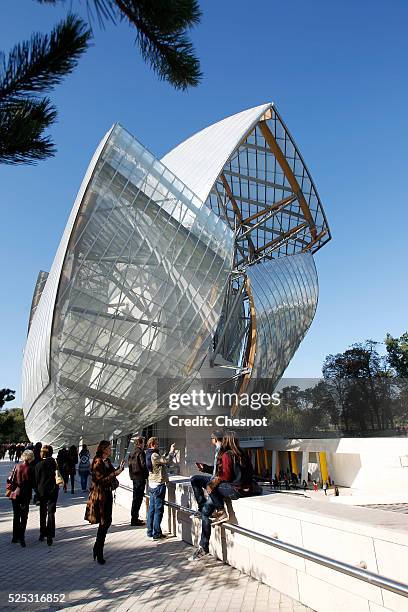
<point x="350" y="570"/>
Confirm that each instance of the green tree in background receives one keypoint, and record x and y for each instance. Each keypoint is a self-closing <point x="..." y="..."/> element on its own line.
<point x="397" y="354"/>
<point x="6" y="395"/>
<point x="360" y="380"/>
<point x="12" y="428"/>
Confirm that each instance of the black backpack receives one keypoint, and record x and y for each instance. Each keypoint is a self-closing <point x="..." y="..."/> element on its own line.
<point x="244" y="477"/>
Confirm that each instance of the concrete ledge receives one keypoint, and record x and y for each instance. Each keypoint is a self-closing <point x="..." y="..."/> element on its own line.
<point x="353" y="535"/>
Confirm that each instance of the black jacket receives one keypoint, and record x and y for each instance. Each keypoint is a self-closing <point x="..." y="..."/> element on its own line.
<point x="45" y="477"/>
<point x="137" y="465"/>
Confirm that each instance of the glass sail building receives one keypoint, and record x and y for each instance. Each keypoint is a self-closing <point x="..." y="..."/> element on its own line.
<point x="204" y="255"/>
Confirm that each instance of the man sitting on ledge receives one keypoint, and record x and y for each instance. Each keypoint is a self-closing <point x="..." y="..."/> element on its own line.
<point x="234" y="479"/>
<point x="199" y="482"/>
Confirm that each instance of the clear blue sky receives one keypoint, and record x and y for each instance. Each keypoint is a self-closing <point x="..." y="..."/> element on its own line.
<point x="337" y="72"/>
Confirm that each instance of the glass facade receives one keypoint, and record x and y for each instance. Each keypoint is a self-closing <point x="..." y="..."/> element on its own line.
<point x="285" y="293"/>
<point x="150" y="279"/>
<point x="139" y="297"/>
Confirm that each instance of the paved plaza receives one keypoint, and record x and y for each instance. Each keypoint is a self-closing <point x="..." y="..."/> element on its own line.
<point x="139" y="573"/>
<point x="403" y="508"/>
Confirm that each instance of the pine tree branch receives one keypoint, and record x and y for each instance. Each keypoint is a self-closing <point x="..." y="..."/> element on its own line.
<point x="21" y="126"/>
<point x="162" y="39"/>
<point x="41" y="63"/>
<point x="160" y="34"/>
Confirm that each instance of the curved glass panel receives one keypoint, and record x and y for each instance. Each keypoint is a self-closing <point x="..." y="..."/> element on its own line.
<point x="284" y="293"/>
<point x="139" y="297"/>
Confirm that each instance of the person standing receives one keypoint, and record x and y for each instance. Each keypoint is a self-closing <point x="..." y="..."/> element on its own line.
<point x="138" y="473"/>
<point x="23" y="481"/>
<point x="37" y="459"/>
<point x="84" y="467"/>
<point x="62" y="461"/>
<point x="12" y="450"/>
<point x="72" y="461"/>
<point x="100" y="501"/>
<point x="158" y="478"/>
<point x="47" y="493"/>
<point x="325" y="487"/>
<point x="199" y="482"/>
<point x="19" y="451"/>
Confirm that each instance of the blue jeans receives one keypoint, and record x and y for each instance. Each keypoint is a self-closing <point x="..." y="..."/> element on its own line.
<point x="206" y="512"/>
<point x="224" y="489"/>
<point x="84" y="480"/>
<point x="215" y="501"/>
<point x="156" y="509"/>
<point x="199" y="482"/>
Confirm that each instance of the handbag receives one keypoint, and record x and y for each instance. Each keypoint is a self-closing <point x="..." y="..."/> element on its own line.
<point x="92" y="510"/>
<point x="11" y="484"/>
<point x="114" y="484"/>
<point x="256" y="488"/>
<point x="16" y="493"/>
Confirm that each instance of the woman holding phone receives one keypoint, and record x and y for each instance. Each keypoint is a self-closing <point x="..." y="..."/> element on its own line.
<point x="99" y="505"/>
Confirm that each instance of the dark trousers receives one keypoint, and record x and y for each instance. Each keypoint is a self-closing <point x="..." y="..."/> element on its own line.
<point x="20" y="516"/>
<point x="72" y="477"/>
<point x="48" y="507"/>
<point x="138" y="492"/>
<point x="206" y="512"/>
<point x="215" y="501"/>
<point x="224" y="489"/>
<point x="199" y="482"/>
<point x="107" y="522"/>
<point x="84" y="480"/>
<point x="156" y="510"/>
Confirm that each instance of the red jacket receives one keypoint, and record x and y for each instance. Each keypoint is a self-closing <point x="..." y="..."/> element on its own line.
<point x="24" y="480"/>
<point x="225" y="470"/>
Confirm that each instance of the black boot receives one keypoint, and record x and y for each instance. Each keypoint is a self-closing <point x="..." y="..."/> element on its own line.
<point x="98" y="553"/>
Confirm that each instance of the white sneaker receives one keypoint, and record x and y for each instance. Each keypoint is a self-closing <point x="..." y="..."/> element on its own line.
<point x="198" y="554"/>
<point x="220" y="516"/>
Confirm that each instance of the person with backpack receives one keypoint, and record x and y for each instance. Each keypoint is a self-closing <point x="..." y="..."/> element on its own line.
<point x="233" y="479"/>
<point x="84" y="467"/>
<point x="138" y="473"/>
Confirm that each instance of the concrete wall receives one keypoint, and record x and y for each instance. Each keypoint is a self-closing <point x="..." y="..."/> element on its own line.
<point x="353" y="535"/>
<point x="366" y="464"/>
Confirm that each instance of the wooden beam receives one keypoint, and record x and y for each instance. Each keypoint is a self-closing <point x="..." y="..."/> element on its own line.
<point x="236" y="210"/>
<point x="312" y="242"/>
<point x="269" y="208"/>
<point x="287" y="170"/>
<point x="281" y="237"/>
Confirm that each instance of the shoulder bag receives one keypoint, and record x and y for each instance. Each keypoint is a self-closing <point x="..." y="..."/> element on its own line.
<point x="11" y="484"/>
